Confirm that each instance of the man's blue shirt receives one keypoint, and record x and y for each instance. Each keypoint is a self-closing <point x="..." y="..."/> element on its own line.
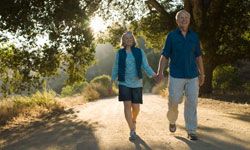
<point x="182" y="52"/>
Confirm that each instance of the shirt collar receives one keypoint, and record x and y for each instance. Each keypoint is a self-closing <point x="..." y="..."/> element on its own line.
<point x="179" y="31"/>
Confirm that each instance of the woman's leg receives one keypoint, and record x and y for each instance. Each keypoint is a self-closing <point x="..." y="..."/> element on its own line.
<point x="135" y="111"/>
<point x="128" y="114"/>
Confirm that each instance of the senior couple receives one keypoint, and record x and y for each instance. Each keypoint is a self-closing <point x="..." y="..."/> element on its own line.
<point x="182" y="51"/>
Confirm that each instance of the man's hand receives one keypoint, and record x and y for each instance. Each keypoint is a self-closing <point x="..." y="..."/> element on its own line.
<point x="201" y="79"/>
<point x="159" y="77"/>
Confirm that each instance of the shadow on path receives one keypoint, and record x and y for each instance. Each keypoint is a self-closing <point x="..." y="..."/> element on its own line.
<point x="140" y="144"/>
<point x="243" y="117"/>
<point x="208" y="142"/>
<point x="61" y="132"/>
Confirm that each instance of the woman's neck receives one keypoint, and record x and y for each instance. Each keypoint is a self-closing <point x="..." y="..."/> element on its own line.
<point x="128" y="48"/>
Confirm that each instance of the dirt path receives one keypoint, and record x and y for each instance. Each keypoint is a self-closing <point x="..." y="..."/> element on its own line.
<point x="101" y="125"/>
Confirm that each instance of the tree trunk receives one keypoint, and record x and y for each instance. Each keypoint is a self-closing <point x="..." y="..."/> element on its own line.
<point x="207" y="87"/>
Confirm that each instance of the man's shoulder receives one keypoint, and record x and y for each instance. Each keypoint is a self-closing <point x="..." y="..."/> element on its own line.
<point x="193" y="33"/>
<point x="175" y="31"/>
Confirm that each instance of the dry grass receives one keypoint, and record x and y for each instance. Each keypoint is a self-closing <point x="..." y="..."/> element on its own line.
<point x="71" y="101"/>
<point x="25" y="107"/>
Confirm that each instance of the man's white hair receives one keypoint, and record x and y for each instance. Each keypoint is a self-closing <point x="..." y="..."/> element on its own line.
<point x="182" y="12"/>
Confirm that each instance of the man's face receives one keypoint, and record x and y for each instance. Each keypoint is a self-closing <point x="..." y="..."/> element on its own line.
<point x="183" y="20"/>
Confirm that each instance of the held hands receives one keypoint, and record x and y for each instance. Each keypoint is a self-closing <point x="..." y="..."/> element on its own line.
<point x="158" y="77"/>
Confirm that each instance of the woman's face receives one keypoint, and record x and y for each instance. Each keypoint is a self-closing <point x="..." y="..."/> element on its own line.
<point x="128" y="40"/>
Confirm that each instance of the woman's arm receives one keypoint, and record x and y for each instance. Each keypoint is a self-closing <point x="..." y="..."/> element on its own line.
<point x="149" y="71"/>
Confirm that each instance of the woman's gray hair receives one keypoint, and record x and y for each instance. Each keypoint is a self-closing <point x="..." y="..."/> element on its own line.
<point x="122" y="38"/>
<point x="182" y="12"/>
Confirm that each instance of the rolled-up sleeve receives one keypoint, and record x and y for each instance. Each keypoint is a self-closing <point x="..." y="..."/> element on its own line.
<point x="167" y="47"/>
<point x="149" y="71"/>
<point x="197" y="51"/>
<point x="115" y="68"/>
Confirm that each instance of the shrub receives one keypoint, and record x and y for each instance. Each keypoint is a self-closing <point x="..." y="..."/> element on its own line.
<point x="67" y="90"/>
<point x="90" y="92"/>
<point x="103" y="80"/>
<point x="98" y="88"/>
<point x="74" y="89"/>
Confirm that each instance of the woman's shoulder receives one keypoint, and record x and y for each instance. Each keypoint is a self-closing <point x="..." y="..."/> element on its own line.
<point x="120" y="50"/>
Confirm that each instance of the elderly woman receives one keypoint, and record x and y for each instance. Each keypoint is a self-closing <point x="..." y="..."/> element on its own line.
<point x="127" y="67"/>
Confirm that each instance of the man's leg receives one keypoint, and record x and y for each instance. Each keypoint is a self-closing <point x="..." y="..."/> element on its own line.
<point x="176" y="88"/>
<point x="190" y="108"/>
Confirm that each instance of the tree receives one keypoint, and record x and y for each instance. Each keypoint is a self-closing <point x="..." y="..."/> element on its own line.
<point x="65" y="26"/>
<point x="222" y="25"/>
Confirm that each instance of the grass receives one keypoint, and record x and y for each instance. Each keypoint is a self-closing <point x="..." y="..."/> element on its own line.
<point x="40" y="103"/>
<point x="34" y="105"/>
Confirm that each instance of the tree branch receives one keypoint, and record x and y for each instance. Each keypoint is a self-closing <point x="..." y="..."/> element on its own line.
<point x="157" y="6"/>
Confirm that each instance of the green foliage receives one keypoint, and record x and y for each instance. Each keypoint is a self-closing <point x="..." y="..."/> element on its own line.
<point x="19" y="70"/>
<point x="65" y="26"/>
<point x="231" y="33"/>
<point x="226" y="78"/>
<point x="152" y="29"/>
<point x="122" y="11"/>
<point x="76" y="88"/>
<point x="113" y="35"/>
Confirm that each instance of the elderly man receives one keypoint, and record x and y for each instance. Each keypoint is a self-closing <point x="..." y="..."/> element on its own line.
<point x="182" y="49"/>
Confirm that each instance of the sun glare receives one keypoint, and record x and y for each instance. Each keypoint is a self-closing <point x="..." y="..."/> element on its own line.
<point x="97" y="24"/>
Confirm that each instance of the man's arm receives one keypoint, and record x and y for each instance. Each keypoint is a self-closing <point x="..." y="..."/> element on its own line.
<point x="199" y="62"/>
<point x="162" y="63"/>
